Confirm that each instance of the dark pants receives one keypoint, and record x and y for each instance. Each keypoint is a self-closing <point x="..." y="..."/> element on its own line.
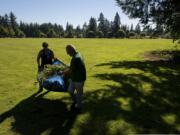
<point x="40" y="69"/>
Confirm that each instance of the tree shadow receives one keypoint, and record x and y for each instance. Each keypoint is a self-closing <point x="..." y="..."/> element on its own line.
<point x="125" y="108"/>
<point x="154" y="111"/>
<point x="36" y="115"/>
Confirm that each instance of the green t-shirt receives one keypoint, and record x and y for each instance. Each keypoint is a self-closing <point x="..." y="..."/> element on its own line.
<point x="78" y="68"/>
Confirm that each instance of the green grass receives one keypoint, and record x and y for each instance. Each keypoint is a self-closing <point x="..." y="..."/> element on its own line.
<point x="124" y="93"/>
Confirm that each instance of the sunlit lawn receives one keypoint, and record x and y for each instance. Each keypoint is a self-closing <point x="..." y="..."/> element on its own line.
<point x="124" y="93"/>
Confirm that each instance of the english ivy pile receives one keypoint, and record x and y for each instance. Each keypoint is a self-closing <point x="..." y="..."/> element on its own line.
<point x="51" y="70"/>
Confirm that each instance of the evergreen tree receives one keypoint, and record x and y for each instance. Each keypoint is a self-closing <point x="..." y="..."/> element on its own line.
<point x="116" y="24"/>
<point x="102" y="25"/>
<point x="138" y="29"/>
<point x="3" y="32"/>
<point x="69" y="31"/>
<point x="92" y="27"/>
<point x="132" y="34"/>
<point x="78" y="32"/>
<point x="5" y="21"/>
<point x="84" y="30"/>
<point x="121" y="34"/>
<point x="60" y="31"/>
<point x="91" y="34"/>
<point x="148" y="30"/>
<point x="159" y="31"/>
<point x="51" y="33"/>
<point x="107" y="27"/>
<point x="100" y="34"/>
<point x="132" y="28"/>
<point x="125" y="29"/>
<point x="13" y="22"/>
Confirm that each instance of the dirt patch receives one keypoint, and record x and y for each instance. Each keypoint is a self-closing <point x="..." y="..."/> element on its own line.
<point x="165" y="55"/>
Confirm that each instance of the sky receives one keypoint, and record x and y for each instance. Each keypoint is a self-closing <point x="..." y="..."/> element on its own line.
<point x="75" y="12"/>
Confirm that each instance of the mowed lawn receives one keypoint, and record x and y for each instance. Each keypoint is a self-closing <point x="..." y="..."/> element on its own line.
<point x="124" y="92"/>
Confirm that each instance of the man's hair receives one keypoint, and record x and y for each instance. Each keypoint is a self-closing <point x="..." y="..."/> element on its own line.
<point x="44" y="44"/>
<point x="71" y="47"/>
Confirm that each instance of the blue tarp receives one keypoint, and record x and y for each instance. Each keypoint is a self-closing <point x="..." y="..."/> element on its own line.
<point x="55" y="82"/>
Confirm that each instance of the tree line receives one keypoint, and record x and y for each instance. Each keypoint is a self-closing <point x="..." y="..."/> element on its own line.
<point x="99" y="27"/>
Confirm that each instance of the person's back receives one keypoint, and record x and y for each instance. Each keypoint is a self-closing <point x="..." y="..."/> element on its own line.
<point x="78" y="68"/>
<point x="45" y="55"/>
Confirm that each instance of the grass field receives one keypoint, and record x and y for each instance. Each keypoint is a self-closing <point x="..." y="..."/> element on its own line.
<point x="124" y="92"/>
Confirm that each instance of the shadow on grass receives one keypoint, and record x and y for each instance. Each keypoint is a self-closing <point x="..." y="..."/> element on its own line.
<point x="118" y="109"/>
<point x="156" y="111"/>
<point x="35" y="115"/>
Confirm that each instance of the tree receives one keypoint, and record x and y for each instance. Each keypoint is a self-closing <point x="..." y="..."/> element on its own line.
<point x="126" y="30"/>
<point x="60" y="31"/>
<point x="132" y="34"/>
<point x="138" y="29"/>
<point x="116" y="24"/>
<point x="100" y="34"/>
<point x="121" y="34"/>
<point x="91" y="34"/>
<point x="92" y="27"/>
<point x="161" y="12"/>
<point x="84" y="30"/>
<point x="13" y="22"/>
<point x="3" y="32"/>
<point x="143" y="34"/>
<point x="11" y="32"/>
<point x="103" y="26"/>
<point x="51" y="33"/>
<point x="5" y="21"/>
<point x="159" y="31"/>
<point x="107" y="27"/>
<point x="20" y="33"/>
<point x="69" y="31"/>
<point x="78" y="32"/>
<point x="132" y="28"/>
<point x="148" y="30"/>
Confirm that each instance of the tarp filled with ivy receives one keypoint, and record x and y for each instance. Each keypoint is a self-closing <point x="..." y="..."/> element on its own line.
<point x="51" y="77"/>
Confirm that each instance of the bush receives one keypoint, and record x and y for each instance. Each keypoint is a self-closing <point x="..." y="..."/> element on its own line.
<point x="121" y="34"/>
<point x="51" y="33"/>
<point x="100" y="34"/>
<point x="142" y="34"/>
<point x="3" y="32"/>
<point x="110" y="34"/>
<point x="20" y="34"/>
<point x="91" y="34"/>
<point x="132" y="34"/>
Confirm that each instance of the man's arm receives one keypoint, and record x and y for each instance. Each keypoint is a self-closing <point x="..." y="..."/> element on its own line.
<point x="52" y="55"/>
<point x="67" y="71"/>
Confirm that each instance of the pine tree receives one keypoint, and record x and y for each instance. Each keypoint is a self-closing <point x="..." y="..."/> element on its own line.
<point x="132" y="28"/>
<point x="138" y="29"/>
<point x="92" y="28"/>
<point x="85" y="29"/>
<point x="78" y="32"/>
<point x="69" y="31"/>
<point x="116" y="24"/>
